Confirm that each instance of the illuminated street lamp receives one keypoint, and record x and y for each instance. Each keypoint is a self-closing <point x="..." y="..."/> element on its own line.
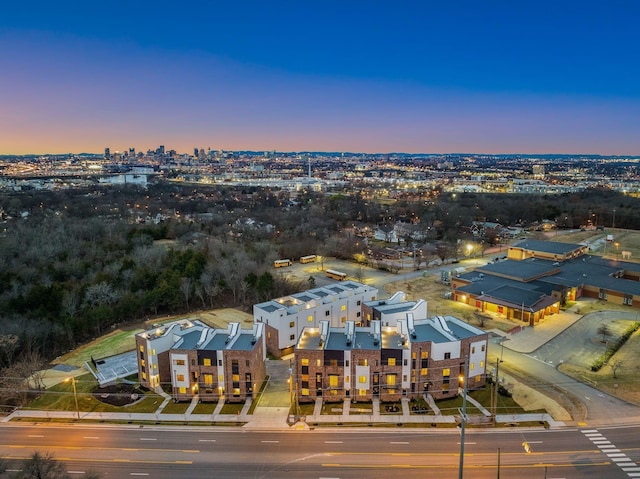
<point x="469" y="248"/>
<point x="617" y="246"/>
<point x="75" y="393"/>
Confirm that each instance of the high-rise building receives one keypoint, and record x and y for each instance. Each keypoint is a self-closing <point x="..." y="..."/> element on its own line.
<point x="107" y="153"/>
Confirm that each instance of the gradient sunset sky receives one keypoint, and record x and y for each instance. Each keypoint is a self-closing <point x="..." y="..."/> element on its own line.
<point x="375" y="76"/>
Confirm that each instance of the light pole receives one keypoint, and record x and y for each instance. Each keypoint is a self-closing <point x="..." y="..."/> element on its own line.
<point x="504" y="338"/>
<point x="75" y="394"/>
<point x="463" y="415"/>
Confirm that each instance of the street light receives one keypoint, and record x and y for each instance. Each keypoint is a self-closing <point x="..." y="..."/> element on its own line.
<point x="502" y="340"/>
<point x="75" y="394"/>
<point x="463" y="415"/>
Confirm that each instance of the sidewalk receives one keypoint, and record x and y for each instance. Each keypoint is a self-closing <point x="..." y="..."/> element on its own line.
<point x="270" y="418"/>
<point x="528" y="339"/>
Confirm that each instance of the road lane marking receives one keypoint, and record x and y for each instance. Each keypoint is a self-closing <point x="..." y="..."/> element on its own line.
<point x="138" y="473"/>
<point x="90" y="437"/>
<point x="148" y="439"/>
<point x="35" y="435"/>
<point x="75" y="472"/>
<point x="399" y="442"/>
<point x="206" y="440"/>
<point x="270" y="442"/>
<point x="333" y="442"/>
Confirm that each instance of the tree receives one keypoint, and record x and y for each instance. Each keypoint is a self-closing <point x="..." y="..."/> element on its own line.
<point x="604" y="330"/>
<point x="44" y="466"/>
<point x="616" y="364"/>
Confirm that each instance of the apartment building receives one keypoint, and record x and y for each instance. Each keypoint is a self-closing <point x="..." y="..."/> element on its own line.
<point x="285" y="318"/>
<point x="197" y="360"/>
<point x="389" y="311"/>
<point x="411" y="359"/>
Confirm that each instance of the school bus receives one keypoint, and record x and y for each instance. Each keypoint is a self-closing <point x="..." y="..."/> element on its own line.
<point x="282" y="263"/>
<point x="308" y="259"/>
<point x="332" y="273"/>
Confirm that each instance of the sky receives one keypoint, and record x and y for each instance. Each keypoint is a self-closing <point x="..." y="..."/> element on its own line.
<point x="377" y="76"/>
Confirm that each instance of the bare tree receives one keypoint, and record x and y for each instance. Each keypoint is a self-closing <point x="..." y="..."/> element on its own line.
<point x="185" y="288"/>
<point x="44" y="466"/>
<point x="604" y="330"/>
<point x="615" y="365"/>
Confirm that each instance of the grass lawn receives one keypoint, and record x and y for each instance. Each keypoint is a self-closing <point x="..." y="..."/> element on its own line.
<point x="232" y="408"/>
<point x="61" y="398"/>
<point x="176" y="407"/>
<point x="205" y="408"/>
<point x="116" y="342"/>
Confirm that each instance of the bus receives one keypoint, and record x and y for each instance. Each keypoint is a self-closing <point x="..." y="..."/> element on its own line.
<point x="332" y="273"/>
<point x="308" y="259"/>
<point x="282" y="263"/>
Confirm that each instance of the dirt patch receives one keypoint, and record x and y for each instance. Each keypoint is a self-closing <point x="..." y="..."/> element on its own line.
<point x="531" y="400"/>
<point x="118" y="394"/>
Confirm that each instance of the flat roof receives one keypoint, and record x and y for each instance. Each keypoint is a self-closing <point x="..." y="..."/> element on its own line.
<point x="553" y="247"/>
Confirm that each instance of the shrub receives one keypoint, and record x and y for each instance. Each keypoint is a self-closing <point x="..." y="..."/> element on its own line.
<point x="604" y="359"/>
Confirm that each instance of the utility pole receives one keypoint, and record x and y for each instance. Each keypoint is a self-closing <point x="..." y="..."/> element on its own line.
<point x="494" y="399"/>
<point x="463" y="416"/>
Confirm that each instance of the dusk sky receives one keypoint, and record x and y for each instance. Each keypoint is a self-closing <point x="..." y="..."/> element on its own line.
<point x="374" y="76"/>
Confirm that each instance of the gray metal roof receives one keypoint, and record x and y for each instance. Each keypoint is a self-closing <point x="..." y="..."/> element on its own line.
<point x="427" y="332"/>
<point x="243" y="343"/>
<point x="188" y="340"/>
<point x="552" y="247"/>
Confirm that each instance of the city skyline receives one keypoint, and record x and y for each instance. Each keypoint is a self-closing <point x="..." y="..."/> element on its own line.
<point x="366" y="77"/>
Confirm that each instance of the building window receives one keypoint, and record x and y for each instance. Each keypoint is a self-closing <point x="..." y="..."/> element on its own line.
<point x="333" y="380"/>
<point x="447" y="355"/>
<point x="391" y="379"/>
<point x="141" y="348"/>
<point x="236" y="392"/>
<point x="359" y="302"/>
<point x="343" y="319"/>
<point x="473" y="350"/>
<point x="414" y="355"/>
<point x="343" y="307"/>
<point x="346" y="363"/>
<point x="363" y="362"/>
<point x="362" y="392"/>
<point x="247" y="363"/>
<point x="318" y="362"/>
<point x="208" y="379"/>
<point x="478" y="378"/>
<point x="305" y="370"/>
<point x="602" y="294"/>
<point x="206" y="362"/>
<point x="235" y="378"/>
<point x="219" y="362"/>
<point x="362" y="379"/>
<point x="310" y="318"/>
<point x="472" y="366"/>
<point x="180" y="377"/>
<point x="182" y="390"/>
<point x="221" y="378"/>
<point x="327" y="313"/>
<point x="292" y="337"/>
<point x="358" y="314"/>
<point x="144" y="375"/>
<point x="391" y="361"/>
<point x="424" y="372"/>
<point x="446" y="372"/>
<point x="628" y="300"/>
<point x="304" y="392"/>
<point x="304" y="361"/>
<point x="153" y="352"/>
<point x="481" y="364"/>
<point x="180" y="362"/>
<point x="292" y="324"/>
<point x="424" y="355"/>
<point x="483" y="346"/>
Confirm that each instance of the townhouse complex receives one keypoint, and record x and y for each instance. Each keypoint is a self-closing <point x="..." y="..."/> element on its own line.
<point x="410" y="359"/>
<point x="538" y="277"/>
<point x="285" y="318"/>
<point x="196" y="360"/>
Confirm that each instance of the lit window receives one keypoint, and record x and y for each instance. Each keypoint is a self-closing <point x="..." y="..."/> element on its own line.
<point x="472" y="366"/>
<point x="483" y="348"/>
<point x="141" y="348"/>
<point x="180" y="377"/>
<point x="180" y="362"/>
<point x="182" y="390"/>
<point x="363" y="362"/>
<point x="391" y="379"/>
<point x="305" y="361"/>
<point x="144" y="375"/>
<point x="391" y="362"/>
<point x="333" y="380"/>
<point x="304" y="392"/>
<point x="208" y="379"/>
<point x="155" y="366"/>
<point x="424" y="355"/>
<point x="481" y="364"/>
<point x="235" y="378"/>
<point x="343" y="307"/>
<point x="310" y="318"/>
<point x="206" y="361"/>
<point x="446" y="372"/>
<point x="424" y="372"/>
<point x="362" y="392"/>
<point x="362" y="379"/>
<point x="292" y="324"/>
<point x="153" y="352"/>
<point x="236" y="391"/>
<point x="318" y="362"/>
<point x="221" y="378"/>
<point x="473" y="350"/>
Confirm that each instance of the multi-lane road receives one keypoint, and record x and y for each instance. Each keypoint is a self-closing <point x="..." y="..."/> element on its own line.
<point x="156" y="452"/>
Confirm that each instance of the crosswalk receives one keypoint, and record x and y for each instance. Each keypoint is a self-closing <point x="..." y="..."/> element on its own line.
<point x="613" y="453"/>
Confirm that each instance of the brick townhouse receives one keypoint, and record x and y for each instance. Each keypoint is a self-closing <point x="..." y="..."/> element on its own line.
<point x="411" y="359"/>
<point x="199" y="361"/>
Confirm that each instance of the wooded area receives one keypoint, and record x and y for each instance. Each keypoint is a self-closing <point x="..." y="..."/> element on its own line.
<point x="75" y="263"/>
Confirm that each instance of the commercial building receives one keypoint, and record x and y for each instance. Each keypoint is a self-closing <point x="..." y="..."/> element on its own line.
<point x="196" y="360"/>
<point x="411" y="359"/>
<point x="541" y="276"/>
<point x="285" y="318"/>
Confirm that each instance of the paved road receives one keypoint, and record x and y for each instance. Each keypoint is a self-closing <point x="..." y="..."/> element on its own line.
<point x="156" y="452"/>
